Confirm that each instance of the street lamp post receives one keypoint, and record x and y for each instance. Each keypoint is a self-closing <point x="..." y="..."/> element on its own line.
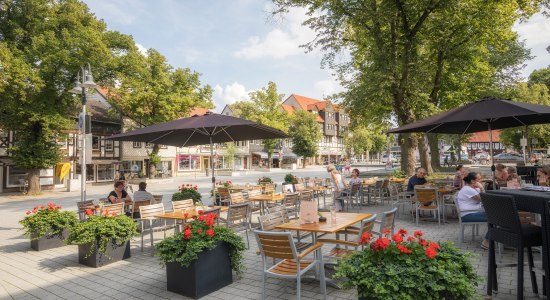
<point x="81" y="88"/>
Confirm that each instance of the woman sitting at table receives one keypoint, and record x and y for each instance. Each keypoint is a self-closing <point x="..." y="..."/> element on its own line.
<point x="469" y="202"/>
<point x="119" y="194"/>
<point x="543" y="174"/>
<point x="338" y="185"/>
<point x="355" y="177"/>
<point x="461" y="172"/>
<point x="501" y="174"/>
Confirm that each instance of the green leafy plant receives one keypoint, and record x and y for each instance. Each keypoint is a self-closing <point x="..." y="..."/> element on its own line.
<point x="47" y="219"/>
<point x="200" y="235"/>
<point x="398" y="174"/>
<point x="411" y="267"/>
<point x="264" y="179"/>
<point x="187" y="191"/>
<point x="289" y="178"/>
<point x="101" y="230"/>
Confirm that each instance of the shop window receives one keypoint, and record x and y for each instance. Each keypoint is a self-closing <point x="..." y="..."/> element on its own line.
<point x="16" y="177"/>
<point x="188" y="163"/>
<point x="109" y="145"/>
<point x="105" y="172"/>
<point x="136" y="144"/>
<point x="95" y="143"/>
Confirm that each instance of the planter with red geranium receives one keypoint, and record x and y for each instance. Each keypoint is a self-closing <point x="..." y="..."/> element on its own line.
<point x="187" y="191"/>
<point x="103" y="239"/>
<point x="411" y="267"/>
<point x="200" y="260"/>
<point x="48" y="226"/>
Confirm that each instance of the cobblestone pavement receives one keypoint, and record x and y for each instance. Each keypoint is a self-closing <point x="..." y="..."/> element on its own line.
<point x="56" y="274"/>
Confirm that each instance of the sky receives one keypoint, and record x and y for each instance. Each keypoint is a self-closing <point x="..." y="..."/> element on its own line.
<point x="238" y="47"/>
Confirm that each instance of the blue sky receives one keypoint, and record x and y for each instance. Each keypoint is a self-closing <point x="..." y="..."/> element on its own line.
<point x="238" y="47"/>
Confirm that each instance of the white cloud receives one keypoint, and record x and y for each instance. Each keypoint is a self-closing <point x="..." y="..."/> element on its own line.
<point x="536" y="33"/>
<point x="141" y="49"/>
<point x="280" y="42"/>
<point x="327" y="87"/>
<point x="230" y="94"/>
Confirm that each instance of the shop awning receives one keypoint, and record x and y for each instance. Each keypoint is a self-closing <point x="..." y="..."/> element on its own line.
<point x="7" y="161"/>
<point x="261" y="154"/>
<point x="290" y="155"/>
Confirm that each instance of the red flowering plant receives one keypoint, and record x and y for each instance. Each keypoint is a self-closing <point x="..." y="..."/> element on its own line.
<point x="227" y="183"/>
<point x="408" y="267"/>
<point x="187" y="191"/>
<point x="102" y="229"/>
<point x="264" y="179"/>
<point x="47" y="219"/>
<point x="201" y="234"/>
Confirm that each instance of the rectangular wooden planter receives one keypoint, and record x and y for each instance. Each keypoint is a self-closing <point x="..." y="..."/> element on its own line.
<point x="48" y="241"/>
<point x="209" y="273"/>
<point x="113" y="254"/>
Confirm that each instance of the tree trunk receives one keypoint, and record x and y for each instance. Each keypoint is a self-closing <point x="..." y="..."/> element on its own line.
<point x="407" y="142"/>
<point x="304" y="162"/>
<point x="424" y="155"/>
<point x="34" y="182"/>
<point x="434" y="150"/>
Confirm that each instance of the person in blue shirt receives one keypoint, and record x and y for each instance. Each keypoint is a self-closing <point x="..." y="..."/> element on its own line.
<point x="417" y="180"/>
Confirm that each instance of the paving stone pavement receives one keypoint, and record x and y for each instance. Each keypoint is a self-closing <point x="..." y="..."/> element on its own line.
<point x="56" y="274"/>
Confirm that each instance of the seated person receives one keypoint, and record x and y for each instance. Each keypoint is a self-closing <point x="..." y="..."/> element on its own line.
<point x="543" y="174"/>
<point x="355" y="177"/>
<point x="142" y="194"/>
<point x="501" y="174"/>
<point x="461" y="172"/>
<point x="119" y="194"/>
<point x="417" y="180"/>
<point x="469" y="202"/>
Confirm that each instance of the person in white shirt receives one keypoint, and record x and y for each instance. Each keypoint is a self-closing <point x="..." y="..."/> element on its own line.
<point x="469" y="202"/>
<point x="142" y="194"/>
<point x="338" y="185"/>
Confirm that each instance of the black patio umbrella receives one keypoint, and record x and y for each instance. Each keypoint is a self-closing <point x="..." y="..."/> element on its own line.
<point x="201" y="130"/>
<point x="485" y="114"/>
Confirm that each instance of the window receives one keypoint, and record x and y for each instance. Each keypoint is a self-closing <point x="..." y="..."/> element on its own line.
<point x="105" y="172"/>
<point x="15" y="176"/>
<point x="149" y="145"/>
<point x="109" y="145"/>
<point x="189" y="163"/>
<point x="95" y="142"/>
<point x="133" y="166"/>
<point x="163" y="147"/>
<point x="136" y="144"/>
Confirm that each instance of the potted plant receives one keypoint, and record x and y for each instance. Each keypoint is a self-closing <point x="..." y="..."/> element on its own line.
<point x="48" y="226"/>
<point x="411" y="267"/>
<point x="264" y="179"/>
<point x="187" y="191"/>
<point x="289" y="178"/>
<point x="103" y="239"/>
<point x="200" y="259"/>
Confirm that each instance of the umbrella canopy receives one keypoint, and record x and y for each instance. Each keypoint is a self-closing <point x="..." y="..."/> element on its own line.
<point x="201" y="130"/>
<point x="478" y="115"/>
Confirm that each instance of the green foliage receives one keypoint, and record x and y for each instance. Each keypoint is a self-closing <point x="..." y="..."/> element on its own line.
<point x="363" y="138"/>
<point x="305" y="134"/>
<point x="289" y="178"/>
<point x="102" y="230"/>
<point x="540" y="76"/>
<point x="231" y="150"/>
<point x="187" y="191"/>
<point x="47" y="219"/>
<point x="201" y="235"/>
<point x="398" y="174"/>
<point x="409" y="268"/>
<point x="154" y="158"/>
<point x="264" y="179"/>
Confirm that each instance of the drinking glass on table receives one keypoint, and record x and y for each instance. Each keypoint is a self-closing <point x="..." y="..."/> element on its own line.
<point x="333" y="213"/>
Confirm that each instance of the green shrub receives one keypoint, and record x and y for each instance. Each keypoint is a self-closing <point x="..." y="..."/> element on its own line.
<point x="47" y="219"/>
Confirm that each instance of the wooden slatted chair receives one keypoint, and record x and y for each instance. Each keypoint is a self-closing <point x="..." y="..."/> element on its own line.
<point x="426" y="199"/>
<point x="224" y="196"/>
<point x="387" y="222"/>
<point x="254" y="206"/>
<point x="183" y="204"/>
<point x="238" y="218"/>
<point x="299" y="187"/>
<point x="352" y="240"/>
<point x="269" y="189"/>
<point x="117" y="208"/>
<point x="148" y="215"/>
<point x="292" y="204"/>
<point x="82" y="206"/>
<point x="237" y="198"/>
<point x="306" y="196"/>
<point x="137" y="205"/>
<point x="298" y="235"/>
<point x="292" y="265"/>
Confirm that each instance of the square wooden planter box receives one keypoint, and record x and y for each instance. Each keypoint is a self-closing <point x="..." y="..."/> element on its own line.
<point x="113" y="254"/>
<point x="209" y="273"/>
<point x="48" y="241"/>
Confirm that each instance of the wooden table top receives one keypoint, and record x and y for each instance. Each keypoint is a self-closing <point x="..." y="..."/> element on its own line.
<point x="343" y="220"/>
<point x="189" y="213"/>
<point x="398" y="179"/>
<point x="316" y="188"/>
<point x="241" y="187"/>
<point x="265" y="197"/>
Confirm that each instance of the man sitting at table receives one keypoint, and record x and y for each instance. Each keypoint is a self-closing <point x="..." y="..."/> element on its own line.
<point x="417" y="180"/>
<point x="142" y="194"/>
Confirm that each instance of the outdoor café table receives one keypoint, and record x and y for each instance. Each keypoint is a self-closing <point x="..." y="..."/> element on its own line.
<point x="397" y="180"/>
<point x="343" y="220"/>
<point x="240" y="188"/>
<point x="317" y="190"/>
<point x="366" y="186"/>
<point x="262" y="199"/>
<point x="535" y="202"/>
<point x="187" y="214"/>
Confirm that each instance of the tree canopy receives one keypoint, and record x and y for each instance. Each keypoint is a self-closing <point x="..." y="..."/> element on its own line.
<point x="305" y="134"/>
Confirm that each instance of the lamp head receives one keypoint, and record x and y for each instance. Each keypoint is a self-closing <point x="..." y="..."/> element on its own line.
<point x="77" y="89"/>
<point x="89" y="80"/>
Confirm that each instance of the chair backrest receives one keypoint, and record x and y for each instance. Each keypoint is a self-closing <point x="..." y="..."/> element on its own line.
<point x="281" y="209"/>
<point x="182" y="204"/>
<point x="287" y="188"/>
<point x="355" y="189"/>
<point x="276" y="244"/>
<point x="237" y="198"/>
<point x="117" y="208"/>
<point x="138" y="204"/>
<point x="254" y="193"/>
<point x="425" y="194"/>
<point x="257" y="188"/>
<point x="388" y="220"/>
<point x="238" y="213"/>
<point x="82" y="206"/>
<point x="269" y="221"/>
<point x="158" y="198"/>
<point x="385" y="183"/>
<point x="298" y="187"/>
<point x="306" y="196"/>
<point x="501" y="212"/>
<point x="291" y="200"/>
<point x="269" y="188"/>
<point x="379" y="184"/>
<point x="151" y="211"/>
<point x="223" y="192"/>
<point x="367" y="225"/>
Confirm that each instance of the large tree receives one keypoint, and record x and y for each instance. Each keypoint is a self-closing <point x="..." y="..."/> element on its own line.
<point x="265" y="107"/>
<point x="408" y="48"/>
<point x="153" y="92"/>
<point x="43" y="44"/>
<point x="305" y="134"/>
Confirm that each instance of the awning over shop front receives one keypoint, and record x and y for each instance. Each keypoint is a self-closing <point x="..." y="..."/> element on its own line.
<point x="291" y="155"/>
<point x="261" y="154"/>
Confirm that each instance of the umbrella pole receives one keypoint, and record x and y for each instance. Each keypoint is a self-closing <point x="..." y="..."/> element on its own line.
<point x="491" y="154"/>
<point x="212" y="169"/>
